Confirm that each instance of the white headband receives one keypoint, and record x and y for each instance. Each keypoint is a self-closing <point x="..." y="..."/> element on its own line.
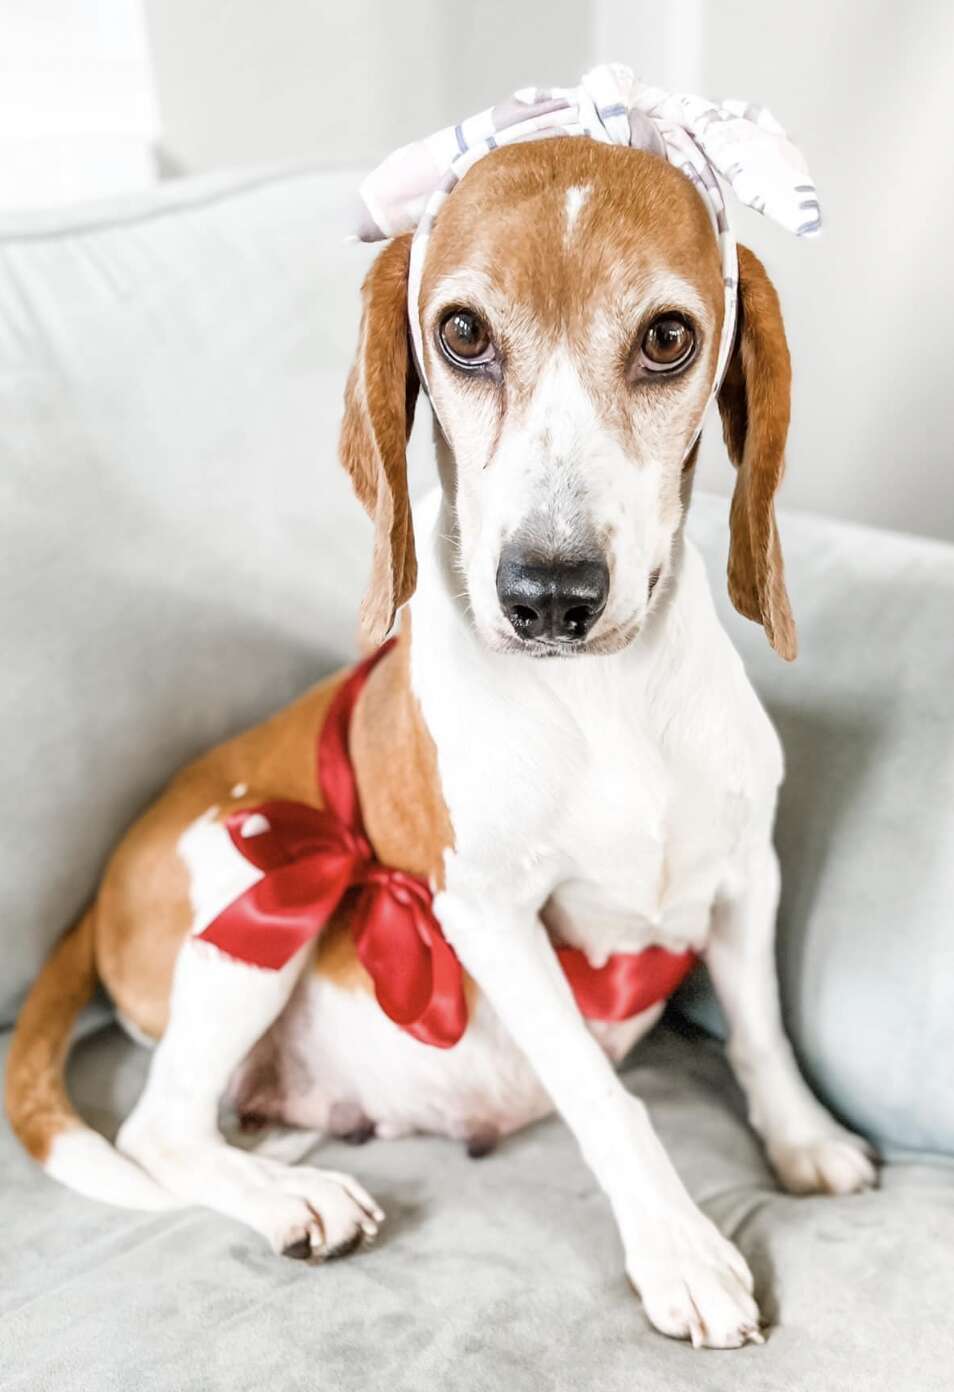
<point x="742" y="143"/>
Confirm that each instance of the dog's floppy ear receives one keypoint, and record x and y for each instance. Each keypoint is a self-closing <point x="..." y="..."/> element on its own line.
<point x="379" y="411"/>
<point x="754" y="402"/>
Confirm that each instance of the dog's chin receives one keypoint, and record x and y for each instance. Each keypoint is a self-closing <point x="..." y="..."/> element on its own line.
<point x="603" y="644"/>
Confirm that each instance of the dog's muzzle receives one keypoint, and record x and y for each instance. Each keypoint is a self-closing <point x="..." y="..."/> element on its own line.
<point x="551" y="601"/>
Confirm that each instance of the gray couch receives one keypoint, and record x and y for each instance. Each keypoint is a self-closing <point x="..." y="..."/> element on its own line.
<point x="179" y="554"/>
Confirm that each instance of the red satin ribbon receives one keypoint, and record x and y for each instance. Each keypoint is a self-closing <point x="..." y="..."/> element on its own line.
<point x="311" y="858"/>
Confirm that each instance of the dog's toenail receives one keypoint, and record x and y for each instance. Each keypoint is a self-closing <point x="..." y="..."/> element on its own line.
<point x="482" y="1143"/>
<point x="344" y="1249"/>
<point x="360" y="1134"/>
<point x="298" y="1251"/>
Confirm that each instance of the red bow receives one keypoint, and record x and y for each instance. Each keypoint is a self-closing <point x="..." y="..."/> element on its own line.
<point x="311" y="858"/>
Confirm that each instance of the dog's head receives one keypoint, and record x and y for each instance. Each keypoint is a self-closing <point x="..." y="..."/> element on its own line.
<point x="571" y="307"/>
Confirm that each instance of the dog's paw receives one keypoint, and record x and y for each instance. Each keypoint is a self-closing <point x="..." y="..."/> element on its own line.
<point x="836" y="1162"/>
<point x="313" y="1215"/>
<point x="695" y="1285"/>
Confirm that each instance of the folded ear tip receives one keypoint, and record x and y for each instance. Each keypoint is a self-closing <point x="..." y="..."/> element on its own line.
<point x="779" y="628"/>
<point x="784" y="641"/>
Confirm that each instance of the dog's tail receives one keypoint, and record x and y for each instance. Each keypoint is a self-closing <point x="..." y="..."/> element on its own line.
<point x="38" y="1105"/>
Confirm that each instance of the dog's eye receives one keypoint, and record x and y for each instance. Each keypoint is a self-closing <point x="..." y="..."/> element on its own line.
<point x="667" y="343"/>
<point x="465" y="339"/>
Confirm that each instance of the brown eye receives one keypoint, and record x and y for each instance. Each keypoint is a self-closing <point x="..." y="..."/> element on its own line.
<point x="667" y="344"/>
<point x="465" y="339"/>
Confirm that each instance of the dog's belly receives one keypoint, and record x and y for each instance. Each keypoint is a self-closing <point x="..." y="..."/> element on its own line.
<point x="335" y="1062"/>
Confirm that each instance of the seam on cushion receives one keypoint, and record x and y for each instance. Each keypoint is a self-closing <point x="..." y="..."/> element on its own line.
<point x="896" y="1156"/>
<point x="183" y="203"/>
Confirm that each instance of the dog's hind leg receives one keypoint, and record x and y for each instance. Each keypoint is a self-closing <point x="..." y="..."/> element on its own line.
<point x="809" y="1150"/>
<point x="219" y="1009"/>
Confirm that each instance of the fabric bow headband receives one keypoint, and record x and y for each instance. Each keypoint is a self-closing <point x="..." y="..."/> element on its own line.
<point x="743" y="144"/>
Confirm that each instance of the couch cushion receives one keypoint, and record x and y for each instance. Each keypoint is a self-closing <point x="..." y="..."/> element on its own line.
<point x="866" y="818"/>
<point x="499" y="1273"/>
<point x="179" y="551"/>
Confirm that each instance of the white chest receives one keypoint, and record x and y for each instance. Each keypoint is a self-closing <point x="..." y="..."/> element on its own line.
<point x="644" y="841"/>
<point x="613" y="795"/>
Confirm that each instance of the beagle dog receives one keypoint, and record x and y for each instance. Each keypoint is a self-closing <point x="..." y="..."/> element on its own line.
<point x="562" y="745"/>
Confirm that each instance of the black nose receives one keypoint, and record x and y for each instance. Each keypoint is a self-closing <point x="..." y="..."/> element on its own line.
<point x="552" y="600"/>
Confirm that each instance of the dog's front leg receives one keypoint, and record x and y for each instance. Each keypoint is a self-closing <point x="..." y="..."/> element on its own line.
<point x="694" y="1284"/>
<point x="809" y="1150"/>
<point x="219" y="1008"/>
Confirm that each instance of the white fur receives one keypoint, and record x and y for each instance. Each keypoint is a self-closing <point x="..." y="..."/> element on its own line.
<point x="218" y="873"/>
<point x="560" y="470"/>
<point x="632" y="795"/>
<point x="137" y="1035"/>
<point x="219" y="1008"/>
<point x="576" y="196"/>
<point x="254" y="825"/>
<point x="808" y="1148"/>
<point x="335" y="1047"/>
<point x="83" y="1159"/>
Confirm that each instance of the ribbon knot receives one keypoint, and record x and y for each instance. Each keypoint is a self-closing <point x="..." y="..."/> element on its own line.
<point x="312" y="859"/>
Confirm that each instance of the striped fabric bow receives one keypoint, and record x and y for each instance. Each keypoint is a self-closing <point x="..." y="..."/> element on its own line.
<point x="311" y="858"/>
<point x="709" y="141"/>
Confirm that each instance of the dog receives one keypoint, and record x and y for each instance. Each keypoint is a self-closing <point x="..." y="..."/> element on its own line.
<point x="561" y="743"/>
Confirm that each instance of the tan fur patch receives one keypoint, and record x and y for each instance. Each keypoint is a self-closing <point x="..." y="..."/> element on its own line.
<point x="337" y="960"/>
<point x="506" y="223"/>
<point x="404" y="812"/>
<point x="396" y="768"/>
<point x="755" y="405"/>
<point x="642" y="224"/>
<point x="143" y="910"/>
<point x="36" y="1099"/>
<point x="379" y="412"/>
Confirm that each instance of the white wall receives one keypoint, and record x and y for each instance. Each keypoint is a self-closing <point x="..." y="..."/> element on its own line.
<point x="865" y="89"/>
<point x="246" y="81"/>
<point x="250" y="81"/>
<point x="863" y="85"/>
<point x="77" y="107"/>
